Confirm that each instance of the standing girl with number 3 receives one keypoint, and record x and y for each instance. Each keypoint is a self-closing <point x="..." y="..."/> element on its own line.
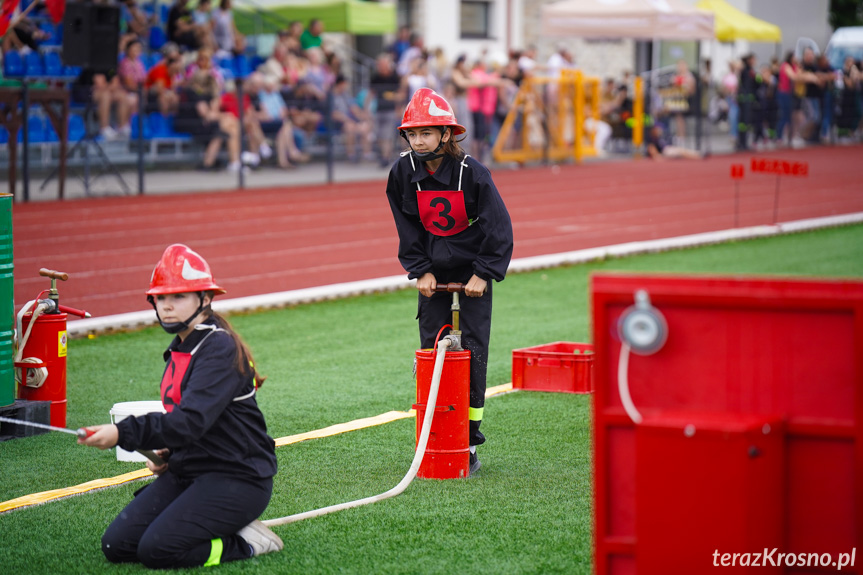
<point x="453" y="227"/>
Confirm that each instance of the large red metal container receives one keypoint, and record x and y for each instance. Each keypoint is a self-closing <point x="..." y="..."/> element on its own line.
<point x="742" y="351"/>
<point x="447" y="452"/>
<point x="47" y="342"/>
<point x="709" y="485"/>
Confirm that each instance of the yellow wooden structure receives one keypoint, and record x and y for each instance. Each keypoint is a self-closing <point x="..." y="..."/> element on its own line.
<point x="547" y="119"/>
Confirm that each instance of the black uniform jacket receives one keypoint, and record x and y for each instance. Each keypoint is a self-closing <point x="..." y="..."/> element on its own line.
<point x="484" y="248"/>
<point x="208" y="431"/>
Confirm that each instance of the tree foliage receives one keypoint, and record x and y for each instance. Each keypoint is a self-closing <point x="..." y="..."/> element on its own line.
<point x="846" y="13"/>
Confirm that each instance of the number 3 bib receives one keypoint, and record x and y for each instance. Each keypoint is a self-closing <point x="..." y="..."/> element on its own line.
<point x="443" y="213"/>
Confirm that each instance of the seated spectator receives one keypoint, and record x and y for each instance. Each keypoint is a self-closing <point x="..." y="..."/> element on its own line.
<point x="402" y="43"/>
<point x="202" y="117"/>
<point x="202" y="18"/>
<point x="24" y="37"/>
<point x="181" y="30"/>
<point x="282" y="67"/>
<point x="164" y="78"/>
<point x="659" y="149"/>
<point x="311" y="37"/>
<point x="102" y="88"/>
<point x="134" y="24"/>
<point x="419" y="77"/>
<point x="305" y="107"/>
<point x="258" y="146"/>
<point x="351" y="120"/>
<point x="131" y="71"/>
<point x="204" y="58"/>
<point x="385" y="85"/>
<point x="229" y="41"/>
<point x="318" y="74"/>
<point x="610" y="101"/>
<point x="416" y="51"/>
<point x="275" y="119"/>
<point x="291" y="38"/>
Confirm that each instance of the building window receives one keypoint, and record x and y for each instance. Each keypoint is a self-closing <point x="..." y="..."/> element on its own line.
<point x="475" y="19"/>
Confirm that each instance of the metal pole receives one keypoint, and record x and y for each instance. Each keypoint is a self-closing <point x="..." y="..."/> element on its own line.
<point x="329" y="123"/>
<point x="242" y="176"/>
<point x="25" y="159"/>
<point x="698" y="92"/>
<point x="141" y="109"/>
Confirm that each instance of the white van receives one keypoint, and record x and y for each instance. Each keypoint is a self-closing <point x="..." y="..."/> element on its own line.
<point x="845" y="42"/>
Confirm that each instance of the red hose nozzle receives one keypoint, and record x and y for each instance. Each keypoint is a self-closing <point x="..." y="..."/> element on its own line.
<point x="73" y="311"/>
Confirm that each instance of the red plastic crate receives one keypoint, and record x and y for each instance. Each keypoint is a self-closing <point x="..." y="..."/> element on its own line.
<point x="560" y="366"/>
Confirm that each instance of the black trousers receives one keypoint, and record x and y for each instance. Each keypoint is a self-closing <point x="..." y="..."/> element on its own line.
<point x="475" y="324"/>
<point x="177" y="522"/>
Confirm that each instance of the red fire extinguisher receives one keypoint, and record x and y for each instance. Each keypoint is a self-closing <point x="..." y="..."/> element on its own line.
<point x="40" y="363"/>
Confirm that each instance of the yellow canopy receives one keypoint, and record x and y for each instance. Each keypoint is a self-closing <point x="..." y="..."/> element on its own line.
<point x="732" y="24"/>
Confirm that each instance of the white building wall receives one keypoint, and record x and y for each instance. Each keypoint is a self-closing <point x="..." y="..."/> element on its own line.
<point x="439" y="23"/>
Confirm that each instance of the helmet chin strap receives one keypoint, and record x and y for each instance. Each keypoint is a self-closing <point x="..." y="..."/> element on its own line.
<point x="428" y="156"/>
<point x="177" y="326"/>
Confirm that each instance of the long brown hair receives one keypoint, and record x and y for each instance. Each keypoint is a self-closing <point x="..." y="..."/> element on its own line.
<point x="452" y="148"/>
<point x="243" y="360"/>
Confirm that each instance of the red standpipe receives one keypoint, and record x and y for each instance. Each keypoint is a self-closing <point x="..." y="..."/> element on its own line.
<point x="447" y="453"/>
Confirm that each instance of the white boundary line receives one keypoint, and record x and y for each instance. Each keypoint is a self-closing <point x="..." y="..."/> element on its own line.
<point x="134" y="320"/>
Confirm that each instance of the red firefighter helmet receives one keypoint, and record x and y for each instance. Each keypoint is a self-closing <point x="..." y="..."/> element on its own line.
<point x="182" y="270"/>
<point x="428" y="108"/>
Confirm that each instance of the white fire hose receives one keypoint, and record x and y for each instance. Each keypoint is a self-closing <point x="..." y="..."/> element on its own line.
<point x="442" y="346"/>
<point x="30" y="377"/>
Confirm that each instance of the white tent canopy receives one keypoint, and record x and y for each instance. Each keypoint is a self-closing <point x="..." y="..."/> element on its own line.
<point x="640" y="19"/>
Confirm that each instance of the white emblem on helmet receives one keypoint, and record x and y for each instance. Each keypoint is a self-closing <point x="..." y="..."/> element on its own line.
<point x="435" y="111"/>
<point x="190" y="273"/>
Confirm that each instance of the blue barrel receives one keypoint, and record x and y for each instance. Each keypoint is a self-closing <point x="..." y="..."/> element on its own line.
<point x="7" y="303"/>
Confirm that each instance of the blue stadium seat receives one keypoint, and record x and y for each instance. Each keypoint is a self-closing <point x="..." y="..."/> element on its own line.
<point x="226" y="67"/>
<point x="157" y="38"/>
<point x="13" y="64"/>
<point x="152" y="60"/>
<point x="147" y="131"/>
<point x="33" y="64"/>
<point x="35" y="130"/>
<point x="159" y="125"/>
<point x="76" y="128"/>
<point x="242" y="66"/>
<point x="51" y="31"/>
<point x="4" y="136"/>
<point x="164" y="10"/>
<point x="51" y="134"/>
<point x="257" y="61"/>
<point x="53" y="65"/>
<point x="71" y="71"/>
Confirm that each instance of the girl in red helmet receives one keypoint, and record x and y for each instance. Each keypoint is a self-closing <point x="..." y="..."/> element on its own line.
<point x="453" y="227"/>
<point x="202" y="509"/>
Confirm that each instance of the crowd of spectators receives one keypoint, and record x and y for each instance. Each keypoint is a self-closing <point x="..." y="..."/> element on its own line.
<point x="789" y="102"/>
<point x="286" y="92"/>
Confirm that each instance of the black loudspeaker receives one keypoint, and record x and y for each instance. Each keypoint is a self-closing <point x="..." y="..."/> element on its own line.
<point x="91" y="35"/>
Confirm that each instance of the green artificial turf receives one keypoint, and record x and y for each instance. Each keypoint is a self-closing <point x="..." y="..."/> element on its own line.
<point x="527" y="511"/>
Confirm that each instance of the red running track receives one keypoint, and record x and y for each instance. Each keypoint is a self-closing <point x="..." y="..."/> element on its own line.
<point x="269" y="240"/>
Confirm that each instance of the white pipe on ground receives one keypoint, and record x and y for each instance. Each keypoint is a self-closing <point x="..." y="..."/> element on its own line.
<point x="415" y="465"/>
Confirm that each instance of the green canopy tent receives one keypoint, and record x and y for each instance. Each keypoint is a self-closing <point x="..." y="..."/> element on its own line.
<point x="350" y="16"/>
